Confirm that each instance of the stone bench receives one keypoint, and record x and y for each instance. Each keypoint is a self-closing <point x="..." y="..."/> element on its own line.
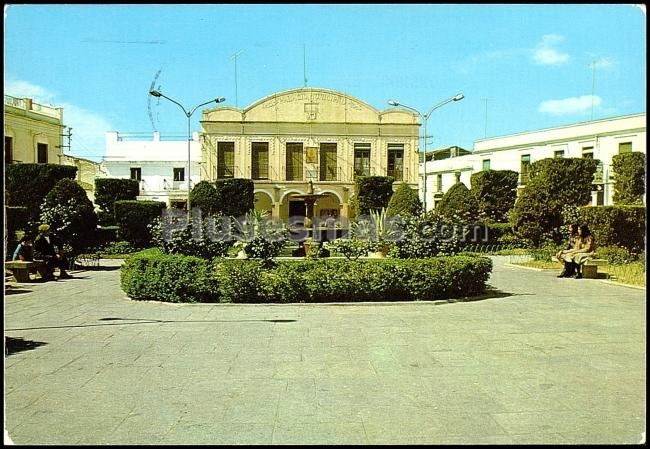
<point x="20" y="269"/>
<point x="589" y="267"/>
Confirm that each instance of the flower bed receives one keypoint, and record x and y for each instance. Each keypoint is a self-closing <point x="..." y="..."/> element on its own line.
<point x="153" y="275"/>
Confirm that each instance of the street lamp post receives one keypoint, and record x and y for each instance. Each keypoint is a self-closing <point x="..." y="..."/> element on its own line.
<point x="425" y="117"/>
<point x="188" y="114"/>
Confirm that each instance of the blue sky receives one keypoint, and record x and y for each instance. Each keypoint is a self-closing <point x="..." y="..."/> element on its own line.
<point x="532" y="62"/>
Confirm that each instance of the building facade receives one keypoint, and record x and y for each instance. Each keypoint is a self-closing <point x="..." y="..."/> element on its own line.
<point x="597" y="139"/>
<point x="287" y="139"/>
<point x="33" y="132"/>
<point x="159" y="165"/>
<point x="87" y="171"/>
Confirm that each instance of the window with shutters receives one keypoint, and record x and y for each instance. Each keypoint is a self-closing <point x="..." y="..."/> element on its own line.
<point x="361" y="159"/>
<point x="294" y="161"/>
<point x="328" y="162"/>
<point x="225" y="160"/>
<point x="624" y="147"/>
<point x="260" y="160"/>
<point x="395" y="166"/>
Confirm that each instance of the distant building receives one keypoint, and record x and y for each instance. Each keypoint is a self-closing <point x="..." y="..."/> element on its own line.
<point x="33" y="132"/>
<point x="159" y="165"/>
<point x="87" y="171"/>
<point x="597" y="139"/>
<point x="289" y="138"/>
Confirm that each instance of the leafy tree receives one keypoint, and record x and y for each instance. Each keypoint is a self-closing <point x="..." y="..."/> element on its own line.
<point x="629" y="169"/>
<point x="372" y="193"/>
<point x="109" y="190"/>
<point x="234" y="197"/>
<point x="70" y="214"/>
<point x="553" y="184"/>
<point x="495" y="192"/>
<point x="204" y="196"/>
<point x="405" y="201"/>
<point x="134" y="219"/>
<point x="26" y="185"/>
<point x="458" y="204"/>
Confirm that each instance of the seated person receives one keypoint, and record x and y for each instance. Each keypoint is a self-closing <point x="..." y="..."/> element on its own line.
<point x="568" y="268"/>
<point x="584" y="249"/>
<point x="25" y="250"/>
<point x="50" y="248"/>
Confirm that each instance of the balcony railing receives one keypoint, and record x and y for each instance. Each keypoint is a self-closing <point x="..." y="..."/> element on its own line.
<point x="28" y="105"/>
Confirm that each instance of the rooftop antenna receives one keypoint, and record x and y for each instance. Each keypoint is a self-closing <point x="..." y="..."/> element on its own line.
<point x="485" y="99"/>
<point x="235" y="56"/>
<point x="593" y="82"/>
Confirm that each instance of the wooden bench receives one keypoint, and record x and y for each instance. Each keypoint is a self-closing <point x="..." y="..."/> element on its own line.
<point x="20" y="269"/>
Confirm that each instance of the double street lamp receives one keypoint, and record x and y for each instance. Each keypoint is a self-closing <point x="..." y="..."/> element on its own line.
<point x="425" y="117"/>
<point x="188" y="114"/>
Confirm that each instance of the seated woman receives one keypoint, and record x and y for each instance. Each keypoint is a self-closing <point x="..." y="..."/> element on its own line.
<point x="568" y="267"/>
<point x="585" y="247"/>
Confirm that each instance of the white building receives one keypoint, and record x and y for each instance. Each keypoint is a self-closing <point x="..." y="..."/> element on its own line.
<point x="597" y="139"/>
<point x="160" y="165"/>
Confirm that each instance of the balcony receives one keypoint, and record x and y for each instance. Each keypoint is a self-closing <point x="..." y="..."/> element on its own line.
<point x="28" y="105"/>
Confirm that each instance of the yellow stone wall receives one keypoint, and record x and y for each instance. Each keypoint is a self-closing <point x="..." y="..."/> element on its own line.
<point x="28" y="124"/>
<point x="310" y="116"/>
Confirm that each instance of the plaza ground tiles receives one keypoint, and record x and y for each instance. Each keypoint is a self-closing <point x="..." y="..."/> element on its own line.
<point x="536" y="360"/>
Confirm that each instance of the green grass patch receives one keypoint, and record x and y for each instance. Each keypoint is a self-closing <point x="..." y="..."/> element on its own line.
<point x="632" y="273"/>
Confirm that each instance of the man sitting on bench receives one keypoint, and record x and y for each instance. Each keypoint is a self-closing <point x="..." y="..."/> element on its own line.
<point x="44" y="246"/>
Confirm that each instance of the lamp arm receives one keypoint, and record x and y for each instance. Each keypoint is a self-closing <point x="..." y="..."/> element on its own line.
<point x="176" y="102"/>
<point x="202" y="104"/>
<point x="442" y="103"/>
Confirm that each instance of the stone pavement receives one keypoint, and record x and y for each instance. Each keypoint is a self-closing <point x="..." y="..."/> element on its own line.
<point x="538" y="360"/>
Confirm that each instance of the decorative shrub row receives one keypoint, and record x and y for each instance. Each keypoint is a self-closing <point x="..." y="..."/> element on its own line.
<point x="133" y="219"/>
<point x="617" y="225"/>
<point x="27" y="184"/>
<point x="109" y="190"/>
<point x="151" y="274"/>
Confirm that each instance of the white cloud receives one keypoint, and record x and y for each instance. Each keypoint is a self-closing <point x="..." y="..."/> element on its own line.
<point x="88" y="128"/>
<point x="545" y="52"/>
<point x="568" y="106"/>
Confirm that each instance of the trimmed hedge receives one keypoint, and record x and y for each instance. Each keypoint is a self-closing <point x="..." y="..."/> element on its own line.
<point x="17" y="219"/>
<point x="27" y="185"/>
<point x="133" y="219"/>
<point x="553" y="184"/>
<point x="405" y="201"/>
<point x="109" y="190"/>
<point x="151" y="274"/>
<point x="629" y="176"/>
<point x="234" y="197"/>
<point x="372" y="193"/>
<point x="204" y="197"/>
<point x="617" y="226"/>
<point x="496" y="193"/>
<point x="458" y="204"/>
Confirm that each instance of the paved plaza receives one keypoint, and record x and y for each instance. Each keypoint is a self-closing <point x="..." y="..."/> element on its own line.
<point x="536" y="360"/>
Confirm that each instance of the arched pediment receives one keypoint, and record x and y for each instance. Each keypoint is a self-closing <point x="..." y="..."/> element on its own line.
<point x="311" y="105"/>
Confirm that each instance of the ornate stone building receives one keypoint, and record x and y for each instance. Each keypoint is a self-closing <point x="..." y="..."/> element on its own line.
<point x="290" y="138"/>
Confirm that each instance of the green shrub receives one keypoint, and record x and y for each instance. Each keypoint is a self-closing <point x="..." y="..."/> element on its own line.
<point x="134" y="218"/>
<point x="617" y="225"/>
<point x="152" y="275"/>
<point x="264" y="238"/>
<point x="238" y="280"/>
<point x="404" y="201"/>
<point x="427" y="235"/>
<point x="104" y="235"/>
<point x="70" y="214"/>
<point x="120" y="247"/>
<point x="17" y="220"/>
<point x="495" y="192"/>
<point x="552" y="184"/>
<point x="351" y="249"/>
<point x="458" y="204"/>
<point x="629" y="186"/>
<point x="204" y="197"/>
<point x="372" y="193"/>
<point x="234" y="197"/>
<point x="109" y="190"/>
<point x="615" y="255"/>
<point x="190" y="239"/>
<point x="26" y="185"/>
